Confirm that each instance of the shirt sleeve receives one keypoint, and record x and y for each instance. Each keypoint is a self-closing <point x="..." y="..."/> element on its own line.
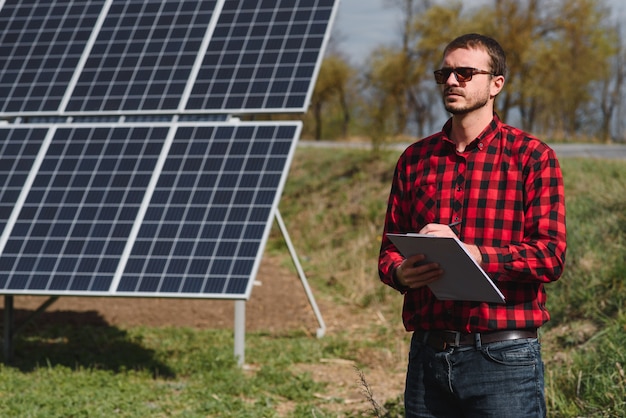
<point x="541" y="254"/>
<point x="390" y="257"/>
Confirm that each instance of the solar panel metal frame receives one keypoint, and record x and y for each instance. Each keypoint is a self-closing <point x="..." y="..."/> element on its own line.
<point x="29" y="178"/>
<point x="195" y="78"/>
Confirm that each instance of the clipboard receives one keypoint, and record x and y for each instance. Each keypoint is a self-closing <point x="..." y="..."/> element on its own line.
<point x="463" y="278"/>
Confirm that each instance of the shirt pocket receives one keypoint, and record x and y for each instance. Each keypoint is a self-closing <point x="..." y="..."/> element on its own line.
<point x="425" y="201"/>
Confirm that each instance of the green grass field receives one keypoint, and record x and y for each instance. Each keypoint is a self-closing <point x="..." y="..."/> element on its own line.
<point x="334" y="205"/>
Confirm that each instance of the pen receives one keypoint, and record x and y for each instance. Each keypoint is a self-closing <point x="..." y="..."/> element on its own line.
<point x="454" y="224"/>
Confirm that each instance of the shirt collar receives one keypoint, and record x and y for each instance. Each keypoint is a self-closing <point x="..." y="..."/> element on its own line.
<point x="481" y="141"/>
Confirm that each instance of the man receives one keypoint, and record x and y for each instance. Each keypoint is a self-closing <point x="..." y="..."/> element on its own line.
<point x="500" y="191"/>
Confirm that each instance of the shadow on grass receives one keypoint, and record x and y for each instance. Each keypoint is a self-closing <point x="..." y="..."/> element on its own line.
<point x="79" y="340"/>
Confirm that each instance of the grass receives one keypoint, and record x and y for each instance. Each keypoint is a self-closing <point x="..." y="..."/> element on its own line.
<point x="154" y="372"/>
<point x="333" y="205"/>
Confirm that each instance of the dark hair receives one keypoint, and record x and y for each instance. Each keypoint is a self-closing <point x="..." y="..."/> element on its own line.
<point x="478" y="41"/>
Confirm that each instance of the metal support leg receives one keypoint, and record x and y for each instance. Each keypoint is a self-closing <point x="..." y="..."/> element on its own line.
<point x="8" y="329"/>
<point x="240" y="305"/>
<point x="240" y="331"/>
<point x="322" y="329"/>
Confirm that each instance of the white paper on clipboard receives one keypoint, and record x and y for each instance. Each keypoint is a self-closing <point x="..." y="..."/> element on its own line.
<point x="463" y="278"/>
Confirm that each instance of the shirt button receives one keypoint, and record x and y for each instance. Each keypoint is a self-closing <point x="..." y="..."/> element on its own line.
<point x="459" y="188"/>
<point x="480" y="145"/>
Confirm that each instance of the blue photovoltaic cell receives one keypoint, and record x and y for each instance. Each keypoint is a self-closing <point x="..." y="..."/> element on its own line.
<point x="78" y="214"/>
<point x="210" y="212"/>
<point x="41" y="43"/>
<point x="143" y="56"/>
<point x="18" y="149"/>
<point x="262" y="55"/>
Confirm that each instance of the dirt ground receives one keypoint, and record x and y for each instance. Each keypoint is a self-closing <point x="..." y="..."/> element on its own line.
<point x="278" y="303"/>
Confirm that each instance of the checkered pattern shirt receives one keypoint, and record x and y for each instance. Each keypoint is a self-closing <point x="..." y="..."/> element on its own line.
<point x="507" y="190"/>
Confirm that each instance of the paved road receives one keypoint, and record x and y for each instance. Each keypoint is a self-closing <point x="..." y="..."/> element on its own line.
<point x="612" y="151"/>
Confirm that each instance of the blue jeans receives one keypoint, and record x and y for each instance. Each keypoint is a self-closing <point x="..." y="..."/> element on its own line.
<point x="501" y="379"/>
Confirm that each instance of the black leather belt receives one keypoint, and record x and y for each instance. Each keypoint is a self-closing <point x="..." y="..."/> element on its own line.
<point x="442" y="340"/>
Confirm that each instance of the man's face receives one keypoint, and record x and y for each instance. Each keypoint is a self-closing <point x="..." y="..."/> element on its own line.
<point x="465" y="97"/>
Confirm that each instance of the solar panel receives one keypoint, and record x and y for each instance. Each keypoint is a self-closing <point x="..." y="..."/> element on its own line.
<point x="18" y="151"/>
<point x="143" y="209"/>
<point x="211" y="211"/>
<point x="79" y="211"/>
<point x="143" y="56"/>
<point x="171" y="56"/>
<point x="262" y="56"/>
<point x="41" y="43"/>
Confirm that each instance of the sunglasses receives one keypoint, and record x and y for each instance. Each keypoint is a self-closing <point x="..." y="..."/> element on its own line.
<point x="462" y="74"/>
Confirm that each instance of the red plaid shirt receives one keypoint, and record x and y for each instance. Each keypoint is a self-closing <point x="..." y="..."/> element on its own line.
<point x="507" y="190"/>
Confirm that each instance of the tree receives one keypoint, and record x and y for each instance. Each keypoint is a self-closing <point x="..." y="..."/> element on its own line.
<point x="398" y="78"/>
<point x="611" y="98"/>
<point x="549" y="45"/>
<point x="518" y="27"/>
<point x="432" y="30"/>
<point x="566" y="67"/>
<point x="332" y="86"/>
<point x="575" y="57"/>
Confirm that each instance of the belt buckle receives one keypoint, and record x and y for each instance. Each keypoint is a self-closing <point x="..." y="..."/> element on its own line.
<point x="457" y="340"/>
<point x="438" y="342"/>
<point x="444" y="342"/>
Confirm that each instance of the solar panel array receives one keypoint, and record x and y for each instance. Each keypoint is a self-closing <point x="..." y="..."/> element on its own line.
<point x="120" y="172"/>
<point x="139" y="209"/>
<point x="134" y="56"/>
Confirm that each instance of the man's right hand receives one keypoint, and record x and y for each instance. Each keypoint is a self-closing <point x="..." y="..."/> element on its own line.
<point x="415" y="272"/>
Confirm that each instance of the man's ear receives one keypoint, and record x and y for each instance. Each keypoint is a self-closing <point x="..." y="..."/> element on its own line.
<point x="497" y="83"/>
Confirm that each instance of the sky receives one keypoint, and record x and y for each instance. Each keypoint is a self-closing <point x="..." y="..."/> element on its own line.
<point x="362" y="25"/>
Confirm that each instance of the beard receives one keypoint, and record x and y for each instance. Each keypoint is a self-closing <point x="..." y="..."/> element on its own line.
<point x="472" y="103"/>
